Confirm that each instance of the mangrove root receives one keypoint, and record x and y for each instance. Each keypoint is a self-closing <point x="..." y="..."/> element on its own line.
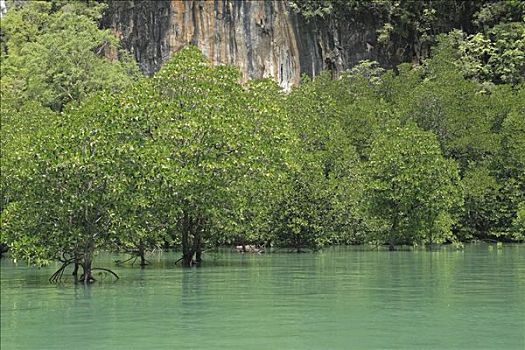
<point x="119" y="262"/>
<point x="107" y="270"/>
<point x="57" y="276"/>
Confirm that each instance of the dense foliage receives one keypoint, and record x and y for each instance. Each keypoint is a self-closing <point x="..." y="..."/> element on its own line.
<point x="411" y="187"/>
<point x="96" y="158"/>
<point x="60" y="56"/>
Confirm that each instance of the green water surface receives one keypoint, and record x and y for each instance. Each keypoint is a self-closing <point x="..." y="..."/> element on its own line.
<point x="336" y="299"/>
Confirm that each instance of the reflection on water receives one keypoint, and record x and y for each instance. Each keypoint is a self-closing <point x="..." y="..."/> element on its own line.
<point x="338" y="299"/>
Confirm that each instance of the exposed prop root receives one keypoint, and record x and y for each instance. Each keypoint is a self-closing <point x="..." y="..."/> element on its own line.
<point x="120" y="262"/>
<point x="57" y="276"/>
<point x="134" y="258"/>
<point x="107" y="270"/>
<point x="178" y="260"/>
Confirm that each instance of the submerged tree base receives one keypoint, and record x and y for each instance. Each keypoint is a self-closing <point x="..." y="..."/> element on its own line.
<point x="86" y="279"/>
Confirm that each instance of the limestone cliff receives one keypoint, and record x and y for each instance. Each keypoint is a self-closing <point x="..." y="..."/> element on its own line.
<point x="262" y="38"/>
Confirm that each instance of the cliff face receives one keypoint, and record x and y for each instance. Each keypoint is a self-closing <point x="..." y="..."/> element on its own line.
<point x="262" y="38"/>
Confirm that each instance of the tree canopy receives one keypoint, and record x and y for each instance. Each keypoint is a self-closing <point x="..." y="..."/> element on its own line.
<point x="95" y="157"/>
<point x="55" y="53"/>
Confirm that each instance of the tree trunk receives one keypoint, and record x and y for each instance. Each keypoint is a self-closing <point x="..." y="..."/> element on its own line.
<point x="187" y="252"/>
<point x="197" y="247"/>
<point x="142" y="256"/>
<point x="393" y="232"/>
<point x="3" y="249"/>
<point x="198" y="255"/>
<point x="87" y="276"/>
<point x="87" y="258"/>
<point x="75" y="270"/>
<point x="192" y="229"/>
<point x="391" y="246"/>
<point x="187" y="259"/>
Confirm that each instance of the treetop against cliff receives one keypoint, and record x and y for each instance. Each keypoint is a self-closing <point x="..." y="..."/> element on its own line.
<point x="492" y="31"/>
<point x="489" y="37"/>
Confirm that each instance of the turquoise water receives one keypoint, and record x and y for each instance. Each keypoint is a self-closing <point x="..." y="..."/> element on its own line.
<point x="336" y="299"/>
